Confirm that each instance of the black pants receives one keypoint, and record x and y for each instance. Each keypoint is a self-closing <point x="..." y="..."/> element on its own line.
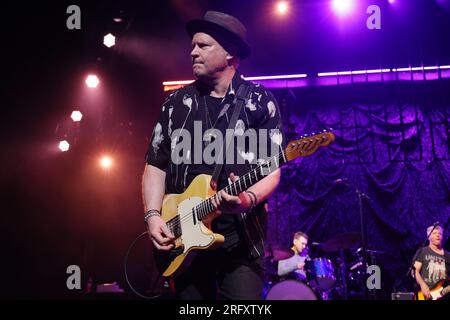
<point x="222" y="274"/>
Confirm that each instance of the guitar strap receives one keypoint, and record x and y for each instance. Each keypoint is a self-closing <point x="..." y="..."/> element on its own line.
<point x="241" y="97"/>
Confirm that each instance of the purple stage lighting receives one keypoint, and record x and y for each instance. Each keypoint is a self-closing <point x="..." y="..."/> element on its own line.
<point x="288" y="76"/>
<point x="422" y="73"/>
<point x="443" y="3"/>
<point x="282" y="7"/>
<point x="343" y="7"/>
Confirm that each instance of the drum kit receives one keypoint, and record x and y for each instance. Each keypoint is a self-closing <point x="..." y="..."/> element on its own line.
<point x="336" y="271"/>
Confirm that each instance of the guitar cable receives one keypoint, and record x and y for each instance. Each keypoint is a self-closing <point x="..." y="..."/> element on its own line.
<point x="125" y="268"/>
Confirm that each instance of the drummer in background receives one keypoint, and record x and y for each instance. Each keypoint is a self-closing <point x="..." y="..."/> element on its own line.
<point x="295" y="265"/>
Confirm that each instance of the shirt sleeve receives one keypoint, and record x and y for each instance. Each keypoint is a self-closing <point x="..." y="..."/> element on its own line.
<point x="271" y="122"/>
<point x="158" y="152"/>
<point x="420" y="255"/>
<point x="287" y="266"/>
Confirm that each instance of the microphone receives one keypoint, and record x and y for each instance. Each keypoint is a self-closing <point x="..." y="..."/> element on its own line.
<point x="433" y="227"/>
<point x="316" y="244"/>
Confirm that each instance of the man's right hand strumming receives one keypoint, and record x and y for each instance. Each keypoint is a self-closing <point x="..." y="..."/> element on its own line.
<point x="153" y="188"/>
<point x="160" y="235"/>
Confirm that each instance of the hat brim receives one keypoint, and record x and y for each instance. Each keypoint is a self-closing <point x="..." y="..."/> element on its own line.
<point x="217" y="31"/>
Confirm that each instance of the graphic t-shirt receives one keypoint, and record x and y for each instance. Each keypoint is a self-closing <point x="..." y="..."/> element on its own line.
<point x="435" y="267"/>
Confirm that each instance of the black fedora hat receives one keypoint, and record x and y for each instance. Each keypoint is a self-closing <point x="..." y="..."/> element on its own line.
<point x="226" y="29"/>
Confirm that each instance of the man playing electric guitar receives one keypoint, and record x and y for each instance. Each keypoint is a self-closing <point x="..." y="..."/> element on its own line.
<point x="233" y="270"/>
<point x="432" y="267"/>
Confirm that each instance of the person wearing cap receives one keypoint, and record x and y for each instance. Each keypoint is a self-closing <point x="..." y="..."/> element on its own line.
<point x="235" y="269"/>
<point x="432" y="264"/>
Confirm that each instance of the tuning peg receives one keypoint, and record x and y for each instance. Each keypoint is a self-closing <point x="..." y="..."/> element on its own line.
<point x="324" y="130"/>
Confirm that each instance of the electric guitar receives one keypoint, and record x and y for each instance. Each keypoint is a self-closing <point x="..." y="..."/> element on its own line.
<point x="189" y="215"/>
<point x="437" y="292"/>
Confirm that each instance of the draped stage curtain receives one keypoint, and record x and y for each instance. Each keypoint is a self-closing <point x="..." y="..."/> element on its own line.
<point x="392" y="144"/>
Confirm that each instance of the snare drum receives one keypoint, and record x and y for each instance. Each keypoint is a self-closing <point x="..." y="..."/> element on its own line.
<point x="320" y="273"/>
<point x="290" y="290"/>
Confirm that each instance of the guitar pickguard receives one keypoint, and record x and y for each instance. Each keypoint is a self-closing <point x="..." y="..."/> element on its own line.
<point x="194" y="233"/>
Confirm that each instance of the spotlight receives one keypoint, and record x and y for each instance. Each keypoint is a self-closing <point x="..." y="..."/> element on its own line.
<point x="63" y="145"/>
<point x="391" y="1"/>
<point x="76" y="116"/>
<point x="105" y="162"/>
<point x="282" y="7"/>
<point x="109" y="40"/>
<point x="119" y="16"/>
<point x="343" y="7"/>
<point x="92" y="81"/>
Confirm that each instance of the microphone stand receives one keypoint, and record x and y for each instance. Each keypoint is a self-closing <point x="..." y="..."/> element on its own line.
<point x="361" y="195"/>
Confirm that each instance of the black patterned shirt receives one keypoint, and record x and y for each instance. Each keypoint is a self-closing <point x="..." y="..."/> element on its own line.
<point x="187" y="114"/>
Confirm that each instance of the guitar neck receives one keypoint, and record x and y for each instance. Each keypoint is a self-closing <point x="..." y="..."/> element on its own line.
<point x="305" y="146"/>
<point x="244" y="182"/>
<point x="255" y="175"/>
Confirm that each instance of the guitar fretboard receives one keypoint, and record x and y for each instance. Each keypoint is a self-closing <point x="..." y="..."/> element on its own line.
<point x="303" y="147"/>
<point x="243" y="183"/>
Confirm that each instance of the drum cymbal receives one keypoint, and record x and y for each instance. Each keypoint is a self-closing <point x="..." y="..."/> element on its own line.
<point x="277" y="253"/>
<point x="361" y="251"/>
<point x="341" y="241"/>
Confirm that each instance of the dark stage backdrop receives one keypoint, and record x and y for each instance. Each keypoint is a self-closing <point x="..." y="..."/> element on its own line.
<point x="392" y="143"/>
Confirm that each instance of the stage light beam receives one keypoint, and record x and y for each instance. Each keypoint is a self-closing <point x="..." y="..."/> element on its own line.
<point x="76" y="116"/>
<point x="109" y="40"/>
<point x="106" y="162"/>
<point x="92" y="81"/>
<point x="343" y="7"/>
<point x="282" y="7"/>
<point x="64" y="146"/>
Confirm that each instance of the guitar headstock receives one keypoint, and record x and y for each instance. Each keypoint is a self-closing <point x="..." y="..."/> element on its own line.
<point x="308" y="144"/>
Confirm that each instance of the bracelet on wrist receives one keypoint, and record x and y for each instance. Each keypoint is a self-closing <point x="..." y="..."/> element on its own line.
<point x="253" y="198"/>
<point x="151" y="213"/>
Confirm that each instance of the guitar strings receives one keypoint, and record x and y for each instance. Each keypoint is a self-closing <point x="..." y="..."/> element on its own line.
<point x="203" y="206"/>
<point x="184" y="216"/>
